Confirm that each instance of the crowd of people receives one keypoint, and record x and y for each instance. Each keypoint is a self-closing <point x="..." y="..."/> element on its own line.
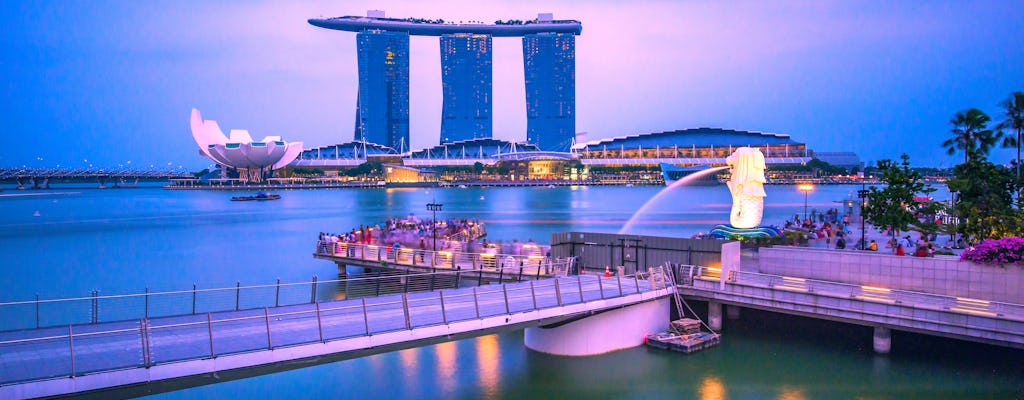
<point x="455" y="235"/>
<point x="828" y="226"/>
<point x="411" y="232"/>
<point x="832" y="229"/>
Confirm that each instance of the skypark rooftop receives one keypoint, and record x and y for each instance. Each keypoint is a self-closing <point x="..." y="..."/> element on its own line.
<point x="424" y="27"/>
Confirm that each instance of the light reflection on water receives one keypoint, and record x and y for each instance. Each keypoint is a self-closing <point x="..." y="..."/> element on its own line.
<point x="488" y="359"/>
<point x="711" y="388"/>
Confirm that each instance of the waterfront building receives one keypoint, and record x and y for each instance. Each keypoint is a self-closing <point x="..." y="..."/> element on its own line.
<point x="382" y="108"/>
<point x="549" y="61"/>
<point x="342" y="155"/>
<point x="466" y="86"/>
<point x="466" y="59"/>
<point x="704" y="146"/>
<point x="238" y="153"/>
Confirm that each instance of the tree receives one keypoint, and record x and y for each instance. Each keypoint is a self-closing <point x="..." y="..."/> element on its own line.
<point x="985" y="206"/>
<point x="1013" y="119"/>
<point x="893" y="207"/>
<point x="971" y="134"/>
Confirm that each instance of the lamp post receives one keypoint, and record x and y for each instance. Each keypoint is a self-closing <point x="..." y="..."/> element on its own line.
<point x="863" y="194"/>
<point x="806" y="188"/>
<point x="434" y="208"/>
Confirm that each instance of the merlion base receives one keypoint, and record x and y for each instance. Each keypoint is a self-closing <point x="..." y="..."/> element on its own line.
<point x="602" y="333"/>
<point x="728" y="231"/>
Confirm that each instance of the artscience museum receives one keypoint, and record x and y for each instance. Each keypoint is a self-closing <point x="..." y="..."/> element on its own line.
<point x="253" y="161"/>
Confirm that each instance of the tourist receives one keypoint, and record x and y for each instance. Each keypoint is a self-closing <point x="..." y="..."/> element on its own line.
<point x="899" y="250"/>
<point x="873" y="246"/>
<point x="840" y="243"/>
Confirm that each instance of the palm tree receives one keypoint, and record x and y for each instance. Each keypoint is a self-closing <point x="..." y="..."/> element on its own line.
<point x="971" y="134"/>
<point x="1013" y="113"/>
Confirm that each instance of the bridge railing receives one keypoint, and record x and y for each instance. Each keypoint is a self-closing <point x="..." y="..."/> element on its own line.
<point x="868" y="293"/>
<point x="98" y="307"/>
<point x="79" y="349"/>
<point x="533" y="263"/>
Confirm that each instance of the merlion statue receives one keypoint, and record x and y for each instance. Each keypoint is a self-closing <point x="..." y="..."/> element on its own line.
<point x="747" y="187"/>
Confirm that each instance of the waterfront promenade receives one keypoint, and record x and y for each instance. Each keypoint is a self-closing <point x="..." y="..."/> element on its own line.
<point x="884" y="309"/>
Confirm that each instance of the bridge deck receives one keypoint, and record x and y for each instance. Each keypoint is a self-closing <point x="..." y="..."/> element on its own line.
<point x="33" y="361"/>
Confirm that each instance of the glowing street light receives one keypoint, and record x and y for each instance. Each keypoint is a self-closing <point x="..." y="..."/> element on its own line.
<point x="434" y="208"/>
<point x="807" y="188"/>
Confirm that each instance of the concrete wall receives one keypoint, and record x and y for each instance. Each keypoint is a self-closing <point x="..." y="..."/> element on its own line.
<point x="596" y="250"/>
<point x="602" y="333"/>
<point x="940" y="275"/>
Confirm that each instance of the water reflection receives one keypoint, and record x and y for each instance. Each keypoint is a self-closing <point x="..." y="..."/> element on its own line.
<point x="711" y="388"/>
<point x="791" y="393"/>
<point x="488" y="360"/>
<point x="410" y="360"/>
<point x="447" y="353"/>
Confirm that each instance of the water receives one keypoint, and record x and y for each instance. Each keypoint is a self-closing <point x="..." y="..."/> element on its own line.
<point x="125" y="240"/>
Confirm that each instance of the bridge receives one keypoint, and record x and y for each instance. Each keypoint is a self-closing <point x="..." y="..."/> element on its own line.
<point x="142" y="343"/>
<point x="40" y="178"/>
<point x="974" y="320"/>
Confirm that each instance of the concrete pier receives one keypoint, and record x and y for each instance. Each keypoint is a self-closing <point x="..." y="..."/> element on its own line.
<point x="715" y="315"/>
<point x="602" y="333"/>
<point x="882" y="340"/>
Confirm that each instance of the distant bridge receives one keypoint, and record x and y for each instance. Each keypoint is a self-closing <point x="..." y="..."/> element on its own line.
<point x="40" y="178"/>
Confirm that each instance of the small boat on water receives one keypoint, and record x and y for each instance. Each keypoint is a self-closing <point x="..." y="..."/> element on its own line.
<point x="684" y="336"/>
<point x="257" y="197"/>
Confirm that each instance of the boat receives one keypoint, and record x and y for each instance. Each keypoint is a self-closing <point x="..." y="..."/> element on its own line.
<point x="684" y="336"/>
<point x="257" y="197"/>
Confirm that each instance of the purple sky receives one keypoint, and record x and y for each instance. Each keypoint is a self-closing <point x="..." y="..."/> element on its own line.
<point x="110" y="82"/>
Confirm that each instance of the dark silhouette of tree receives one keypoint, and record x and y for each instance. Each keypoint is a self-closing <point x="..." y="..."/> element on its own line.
<point x="1013" y="119"/>
<point x="971" y="134"/>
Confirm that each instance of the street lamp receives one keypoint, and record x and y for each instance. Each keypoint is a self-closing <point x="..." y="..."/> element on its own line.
<point x="863" y="195"/>
<point x="434" y="208"/>
<point x="806" y="188"/>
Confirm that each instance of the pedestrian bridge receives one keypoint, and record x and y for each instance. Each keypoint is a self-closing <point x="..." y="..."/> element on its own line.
<point x="143" y="343"/>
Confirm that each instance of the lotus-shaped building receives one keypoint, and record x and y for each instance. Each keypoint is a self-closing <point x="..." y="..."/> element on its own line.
<point x="252" y="160"/>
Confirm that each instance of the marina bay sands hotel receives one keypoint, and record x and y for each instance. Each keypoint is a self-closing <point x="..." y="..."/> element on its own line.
<point x="382" y="110"/>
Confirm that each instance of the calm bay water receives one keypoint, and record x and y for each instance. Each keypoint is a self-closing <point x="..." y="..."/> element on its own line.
<point x="125" y="240"/>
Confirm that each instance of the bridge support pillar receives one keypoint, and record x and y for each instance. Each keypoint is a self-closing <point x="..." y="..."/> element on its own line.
<point x="732" y="312"/>
<point x="882" y="340"/>
<point x="602" y="333"/>
<point x="715" y="315"/>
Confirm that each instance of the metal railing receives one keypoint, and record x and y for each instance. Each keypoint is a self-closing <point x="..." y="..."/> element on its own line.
<point x="533" y="263"/>
<point x="95" y="308"/>
<point x="75" y="350"/>
<point x="864" y="293"/>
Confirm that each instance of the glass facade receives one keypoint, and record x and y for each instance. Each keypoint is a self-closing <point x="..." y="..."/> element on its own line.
<point x="382" y="108"/>
<point x="466" y="85"/>
<point x="549" y="61"/>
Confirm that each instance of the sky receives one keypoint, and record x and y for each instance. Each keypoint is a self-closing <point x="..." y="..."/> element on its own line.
<point x="109" y="83"/>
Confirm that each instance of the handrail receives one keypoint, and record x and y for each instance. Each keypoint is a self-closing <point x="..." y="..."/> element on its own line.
<point x="963" y="305"/>
<point x="419" y="311"/>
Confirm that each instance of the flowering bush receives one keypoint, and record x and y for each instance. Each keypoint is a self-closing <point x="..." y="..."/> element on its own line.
<point x="996" y="251"/>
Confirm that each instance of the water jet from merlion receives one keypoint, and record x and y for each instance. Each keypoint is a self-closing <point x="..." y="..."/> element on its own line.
<point x="746" y="184"/>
